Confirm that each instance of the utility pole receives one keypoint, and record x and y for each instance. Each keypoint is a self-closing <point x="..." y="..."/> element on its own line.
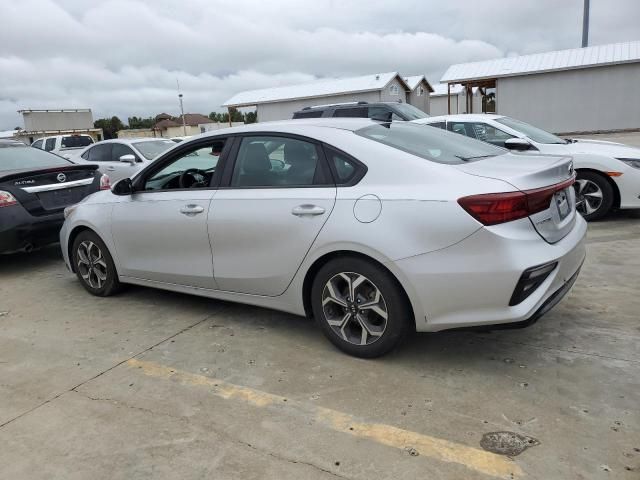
<point x="585" y="25"/>
<point x="184" y="125"/>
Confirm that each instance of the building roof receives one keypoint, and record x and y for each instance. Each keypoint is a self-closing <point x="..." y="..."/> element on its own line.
<point x="193" y="119"/>
<point x="413" y="81"/>
<point x="574" y="58"/>
<point x="320" y="88"/>
<point x="59" y="110"/>
<point x="166" y="123"/>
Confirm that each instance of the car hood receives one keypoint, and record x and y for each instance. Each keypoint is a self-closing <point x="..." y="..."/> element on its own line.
<point x="599" y="147"/>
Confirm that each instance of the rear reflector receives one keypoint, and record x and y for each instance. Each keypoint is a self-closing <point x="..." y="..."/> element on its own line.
<point x="105" y="182"/>
<point x="6" y="199"/>
<point x="495" y="208"/>
<point x="530" y="279"/>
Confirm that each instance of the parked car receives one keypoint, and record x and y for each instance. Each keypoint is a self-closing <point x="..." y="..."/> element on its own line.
<point x="123" y="157"/>
<point x="608" y="174"/>
<point x="63" y="145"/>
<point x="35" y="187"/>
<point x="374" y="229"/>
<point x="384" y="111"/>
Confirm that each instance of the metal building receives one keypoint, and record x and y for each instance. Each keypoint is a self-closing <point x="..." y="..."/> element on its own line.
<point x="279" y="103"/>
<point x="589" y="89"/>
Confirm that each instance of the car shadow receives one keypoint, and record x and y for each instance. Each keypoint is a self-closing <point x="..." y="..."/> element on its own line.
<point x="24" y="262"/>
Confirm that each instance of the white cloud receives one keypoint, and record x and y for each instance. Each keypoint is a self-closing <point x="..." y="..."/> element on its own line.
<point x="123" y="57"/>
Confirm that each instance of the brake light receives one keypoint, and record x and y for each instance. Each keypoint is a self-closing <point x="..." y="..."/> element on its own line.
<point x="6" y="199"/>
<point x="495" y="208"/>
<point x="105" y="182"/>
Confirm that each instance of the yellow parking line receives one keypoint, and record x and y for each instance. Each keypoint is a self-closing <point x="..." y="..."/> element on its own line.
<point x="436" y="448"/>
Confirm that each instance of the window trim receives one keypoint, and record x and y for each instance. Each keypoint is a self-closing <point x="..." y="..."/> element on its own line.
<point x="394" y="89"/>
<point x="177" y="153"/>
<point x="227" y="175"/>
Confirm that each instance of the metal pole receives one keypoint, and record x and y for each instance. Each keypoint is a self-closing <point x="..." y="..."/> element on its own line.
<point x="184" y="125"/>
<point x="585" y="25"/>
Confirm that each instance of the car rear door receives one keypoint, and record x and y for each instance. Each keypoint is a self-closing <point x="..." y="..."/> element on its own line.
<point x="276" y="196"/>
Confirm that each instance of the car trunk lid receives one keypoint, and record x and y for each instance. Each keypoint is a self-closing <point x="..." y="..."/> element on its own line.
<point x="546" y="182"/>
<point x="49" y="190"/>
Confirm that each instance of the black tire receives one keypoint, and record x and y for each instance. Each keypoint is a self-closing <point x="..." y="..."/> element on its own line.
<point x="99" y="277"/>
<point x="587" y="182"/>
<point x="394" y="304"/>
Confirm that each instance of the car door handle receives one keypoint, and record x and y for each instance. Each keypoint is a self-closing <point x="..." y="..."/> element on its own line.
<point x="111" y="169"/>
<point x="191" y="210"/>
<point x="302" y="210"/>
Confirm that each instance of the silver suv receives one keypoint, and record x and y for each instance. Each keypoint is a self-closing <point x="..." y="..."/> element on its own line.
<point x="383" y="111"/>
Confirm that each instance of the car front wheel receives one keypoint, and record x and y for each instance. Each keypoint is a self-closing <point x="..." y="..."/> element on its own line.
<point x="360" y="307"/>
<point x="594" y="195"/>
<point x="93" y="265"/>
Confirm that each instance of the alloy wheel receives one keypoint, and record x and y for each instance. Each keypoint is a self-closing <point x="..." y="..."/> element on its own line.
<point x="354" y="308"/>
<point x="91" y="264"/>
<point x="589" y="196"/>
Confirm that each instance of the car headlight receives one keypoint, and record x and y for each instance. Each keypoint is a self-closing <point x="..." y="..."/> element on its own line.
<point x="632" y="162"/>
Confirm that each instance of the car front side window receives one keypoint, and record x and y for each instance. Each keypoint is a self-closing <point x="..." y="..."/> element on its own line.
<point x="191" y="169"/>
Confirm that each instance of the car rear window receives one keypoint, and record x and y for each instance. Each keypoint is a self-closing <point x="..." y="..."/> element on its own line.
<point x="429" y="143"/>
<point x="23" y="158"/>
<point x="76" y="141"/>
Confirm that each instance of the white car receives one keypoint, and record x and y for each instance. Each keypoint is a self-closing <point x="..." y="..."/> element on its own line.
<point x="123" y="157"/>
<point x="608" y="174"/>
<point x="373" y="229"/>
<point x="65" y="146"/>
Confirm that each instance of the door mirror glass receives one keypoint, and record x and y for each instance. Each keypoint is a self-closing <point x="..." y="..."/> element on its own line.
<point x="518" y="144"/>
<point x="128" y="158"/>
<point x="123" y="187"/>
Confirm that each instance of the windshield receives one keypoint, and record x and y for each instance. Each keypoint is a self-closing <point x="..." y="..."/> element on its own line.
<point x="429" y="143"/>
<point x="26" y="157"/>
<point x="534" y="133"/>
<point x="410" y="112"/>
<point x="152" y="149"/>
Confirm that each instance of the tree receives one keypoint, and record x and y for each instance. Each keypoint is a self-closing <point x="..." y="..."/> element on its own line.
<point x="251" y="117"/>
<point x="109" y="126"/>
<point x="139" y="122"/>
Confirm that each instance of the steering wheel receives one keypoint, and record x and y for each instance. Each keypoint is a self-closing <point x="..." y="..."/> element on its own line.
<point x="194" y="173"/>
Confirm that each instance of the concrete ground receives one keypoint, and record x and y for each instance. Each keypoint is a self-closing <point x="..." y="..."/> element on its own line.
<point x="151" y="384"/>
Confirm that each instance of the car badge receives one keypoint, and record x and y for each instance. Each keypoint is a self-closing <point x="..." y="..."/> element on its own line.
<point x="61" y="177"/>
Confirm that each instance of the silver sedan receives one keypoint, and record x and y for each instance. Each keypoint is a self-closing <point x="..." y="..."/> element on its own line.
<point x="375" y="230"/>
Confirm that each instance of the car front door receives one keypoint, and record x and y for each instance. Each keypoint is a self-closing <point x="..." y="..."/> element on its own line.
<point x="117" y="169"/>
<point x="160" y="231"/>
<point x="275" y="197"/>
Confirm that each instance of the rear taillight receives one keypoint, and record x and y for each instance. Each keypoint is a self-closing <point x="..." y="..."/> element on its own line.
<point x="105" y="182"/>
<point x="495" y="208"/>
<point x="6" y="199"/>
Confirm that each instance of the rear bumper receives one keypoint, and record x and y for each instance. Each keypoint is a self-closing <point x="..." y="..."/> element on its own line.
<point x="21" y="231"/>
<point x="471" y="283"/>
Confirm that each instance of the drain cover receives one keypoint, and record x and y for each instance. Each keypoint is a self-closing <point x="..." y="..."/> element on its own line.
<point x="507" y="443"/>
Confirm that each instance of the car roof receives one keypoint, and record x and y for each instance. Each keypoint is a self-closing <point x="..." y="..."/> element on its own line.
<point x="460" y="117"/>
<point x="299" y="126"/>
<point x="129" y="141"/>
<point x="345" y="104"/>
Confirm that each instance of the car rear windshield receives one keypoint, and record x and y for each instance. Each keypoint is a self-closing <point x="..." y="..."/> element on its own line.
<point x="534" y="133"/>
<point x="152" y="149"/>
<point x="76" y="141"/>
<point x="28" y="157"/>
<point x="430" y="143"/>
<point x="409" y="111"/>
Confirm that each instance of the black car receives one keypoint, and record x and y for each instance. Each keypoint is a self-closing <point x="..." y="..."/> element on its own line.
<point x="383" y="111"/>
<point x="35" y="187"/>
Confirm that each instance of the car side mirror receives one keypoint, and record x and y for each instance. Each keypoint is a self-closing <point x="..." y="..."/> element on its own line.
<point x="123" y="187"/>
<point x="128" y="158"/>
<point x="518" y="144"/>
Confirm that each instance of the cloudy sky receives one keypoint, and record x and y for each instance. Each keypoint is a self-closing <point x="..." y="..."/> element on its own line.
<point x="123" y="57"/>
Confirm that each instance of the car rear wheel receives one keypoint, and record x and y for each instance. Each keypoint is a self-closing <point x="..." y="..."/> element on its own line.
<point x="594" y="195"/>
<point x="360" y="307"/>
<point x="94" y="266"/>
